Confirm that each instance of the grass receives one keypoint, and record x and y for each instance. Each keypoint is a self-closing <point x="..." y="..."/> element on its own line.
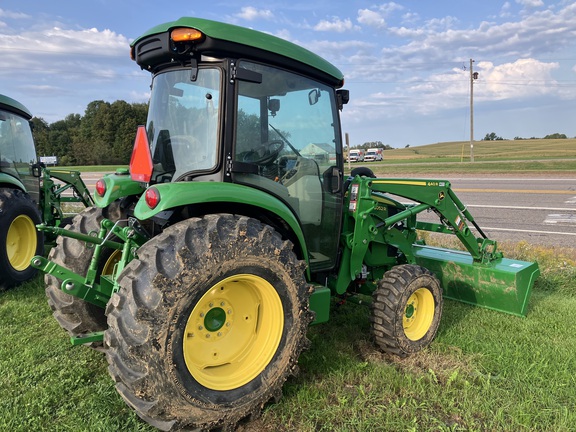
<point x="484" y="371"/>
<point x="519" y="157"/>
<point x="488" y="150"/>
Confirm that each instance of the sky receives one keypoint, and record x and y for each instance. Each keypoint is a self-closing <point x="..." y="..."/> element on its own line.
<point x="406" y="63"/>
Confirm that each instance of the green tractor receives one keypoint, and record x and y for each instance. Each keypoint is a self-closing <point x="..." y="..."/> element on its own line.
<point x="28" y="195"/>
<point x="199" y="270"/>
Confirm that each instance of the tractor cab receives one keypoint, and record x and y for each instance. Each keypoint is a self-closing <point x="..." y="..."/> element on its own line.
<point x="17" y="151"/>
<point x="228" y="111"/>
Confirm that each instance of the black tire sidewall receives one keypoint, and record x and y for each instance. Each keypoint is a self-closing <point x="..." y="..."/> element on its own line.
<point x="147" y="318"/>
<point x="423" y="281"/>
<point x="389" y="307"/>
<point x="74" y="314"/>
<point x="16" y="203"/>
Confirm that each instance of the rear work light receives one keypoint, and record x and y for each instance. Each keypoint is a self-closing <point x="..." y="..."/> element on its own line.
<point x="185" y="34"/>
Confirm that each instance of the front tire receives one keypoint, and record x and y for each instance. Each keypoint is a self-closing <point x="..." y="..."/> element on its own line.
<point x="19" y="239"/>
<point x="406" y="310"/>
<point x="208" y="324"/>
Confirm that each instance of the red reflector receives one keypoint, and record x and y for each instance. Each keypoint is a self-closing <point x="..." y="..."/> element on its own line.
<point x="101" y="187"/>
<point x="141" y="160"/>
<point x="152" y="197"/>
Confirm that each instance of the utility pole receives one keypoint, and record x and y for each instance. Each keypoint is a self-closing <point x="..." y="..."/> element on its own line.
<point x="473" y="76"/>
<point x="472" y="111"/>
<point x="348" y="145"/>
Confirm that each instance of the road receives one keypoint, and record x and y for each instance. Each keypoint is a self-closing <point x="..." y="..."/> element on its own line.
<point x="539" y="210"/>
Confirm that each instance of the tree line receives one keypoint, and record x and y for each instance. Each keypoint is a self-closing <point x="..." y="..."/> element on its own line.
<point x="104" y="135"/>
<point x="373" y="144"/>
<point x="493" y="137"/>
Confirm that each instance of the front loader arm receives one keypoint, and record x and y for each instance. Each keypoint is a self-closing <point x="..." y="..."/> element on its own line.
<point x="380" y="232"/>
<point x="374" y="221"/>
<point x="438" y="196"/>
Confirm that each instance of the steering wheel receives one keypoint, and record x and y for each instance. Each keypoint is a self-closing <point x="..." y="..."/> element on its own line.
<point x="265" y="153"/>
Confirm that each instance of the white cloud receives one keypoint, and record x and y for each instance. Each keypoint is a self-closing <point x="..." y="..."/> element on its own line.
<point x="523" y="78"/>
<point x="250" y="13"/>
<point x="540" y="33"/>
<point x="390" y="7"/>
<point x="89" y="41"/>
<point x="371" y="18"/>
<point x="13" y="15"/>
<point x="505" y="10"/>
<point x="336" y="25"/>
<point x="518" y="80"/>
<point x="56" y="40"/>
<point x="530" y="3"/>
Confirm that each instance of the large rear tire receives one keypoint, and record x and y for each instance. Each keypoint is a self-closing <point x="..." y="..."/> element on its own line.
<point x="406" y="309"/>
<point x="19" y="239"/>
<point x="75" y="315"/>
<point x="208" y="324"/>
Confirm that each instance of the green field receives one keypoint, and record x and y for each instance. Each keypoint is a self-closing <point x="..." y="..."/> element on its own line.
<point x="486" y="371"/>
<point x="521" y="157"/>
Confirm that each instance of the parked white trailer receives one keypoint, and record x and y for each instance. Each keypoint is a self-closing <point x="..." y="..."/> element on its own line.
<point x="374" y="154"/>
<point x="356" y="155"/>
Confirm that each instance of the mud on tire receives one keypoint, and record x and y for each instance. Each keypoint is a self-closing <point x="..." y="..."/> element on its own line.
<point x="208" y="324"/>
<point x="19" y="239"/>
<point x="73" y="314"/>
<point x="406" y="310"/>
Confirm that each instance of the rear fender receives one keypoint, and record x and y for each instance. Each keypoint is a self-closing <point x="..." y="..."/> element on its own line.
<point x="118" y="185"/>
<point x="6" y="179"/>
<point x="174" y="195"/>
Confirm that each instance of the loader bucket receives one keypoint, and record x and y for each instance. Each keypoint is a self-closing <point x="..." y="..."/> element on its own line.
<point x="503" y="284"/>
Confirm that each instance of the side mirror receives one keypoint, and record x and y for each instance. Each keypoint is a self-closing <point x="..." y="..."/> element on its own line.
<point x="313" y="96"/>
<point x="343" y="97"/>
<point x="37" y="169"/>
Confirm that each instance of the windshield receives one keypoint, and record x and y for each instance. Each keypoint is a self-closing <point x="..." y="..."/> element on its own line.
<point x="17" y="151"/>
<point x="183" y="123"/>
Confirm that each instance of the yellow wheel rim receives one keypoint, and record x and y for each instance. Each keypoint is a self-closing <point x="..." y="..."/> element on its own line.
<point x="418" y="314"/>
<point x="233" y="332"/>
<point x="21" y="242"/>
<point x="111" y="262"/>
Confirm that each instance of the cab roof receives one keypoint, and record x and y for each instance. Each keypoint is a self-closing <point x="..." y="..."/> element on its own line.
<point x="258" y="42"/>
<point x="12" y="105"/>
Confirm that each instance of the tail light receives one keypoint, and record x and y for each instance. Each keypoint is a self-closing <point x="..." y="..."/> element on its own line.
<point x="101" y="187"/>
<point x="152" y="197"/>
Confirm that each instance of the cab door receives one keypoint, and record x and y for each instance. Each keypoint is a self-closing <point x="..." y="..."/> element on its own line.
<point x="287" y="133"/>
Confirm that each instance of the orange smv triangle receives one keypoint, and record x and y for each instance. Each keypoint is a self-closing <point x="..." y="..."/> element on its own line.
<point x="141" y="160"/>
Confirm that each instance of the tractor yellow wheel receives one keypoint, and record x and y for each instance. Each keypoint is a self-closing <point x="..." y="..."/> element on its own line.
<point x="21" y="242"/>
<point x="406" y="309"/>
<point x="19" y="239"/>
<point x="418" y="314"/>
<point x="112" y="260"/>
<point x="208" y="323"/>
<point x="233" y="332"/>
